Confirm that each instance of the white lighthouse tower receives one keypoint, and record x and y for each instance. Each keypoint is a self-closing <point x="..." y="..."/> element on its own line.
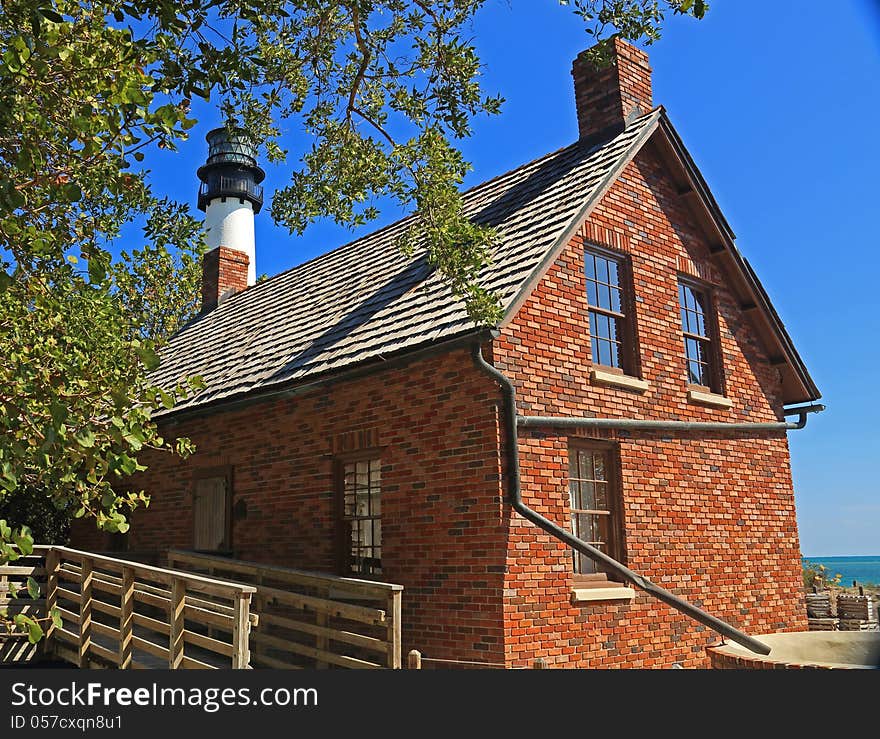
<point x="231" y="194"/>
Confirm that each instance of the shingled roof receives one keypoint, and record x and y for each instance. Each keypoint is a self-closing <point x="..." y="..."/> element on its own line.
<point x="365" y="300"/>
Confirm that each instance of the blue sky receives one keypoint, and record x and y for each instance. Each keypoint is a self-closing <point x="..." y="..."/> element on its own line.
<point x="779" y="106"/>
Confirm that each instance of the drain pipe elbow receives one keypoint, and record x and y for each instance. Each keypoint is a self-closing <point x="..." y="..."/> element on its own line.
<point x="802" y="412"/>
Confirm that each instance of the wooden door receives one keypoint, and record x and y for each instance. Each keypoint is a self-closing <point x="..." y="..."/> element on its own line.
<point x="211" y="514"/>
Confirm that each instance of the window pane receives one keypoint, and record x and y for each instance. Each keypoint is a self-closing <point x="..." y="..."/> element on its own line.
<point x="605" y="355"/>
<point x="600" y="493"/>
<point x="613" y="278"/>
<point x="602" y="270"/>
<point x="590" y="266"/>
<point x="588" y="496"/>
<point x="616" y="304"/>
<point x="586" y="464"/>
<point x="695" y="373"/>
<point x="598" y="466"/>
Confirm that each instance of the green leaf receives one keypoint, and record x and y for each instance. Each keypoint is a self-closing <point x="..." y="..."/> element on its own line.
<point x="50" y="14"/>
<point x="167" y="400"/>
<point x="85" y="438"/>
<point x="35" y="632"/>
<point x="57" y="621"/>
<point x="25" y="544"/>
<point x="97" y="270"/>
<point x="148" y="357"/>
<point x="72" y="192"/>
<point x="33" y="588"/>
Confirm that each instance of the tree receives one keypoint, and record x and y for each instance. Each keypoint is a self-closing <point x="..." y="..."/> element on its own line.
<point x="382" y="87"/>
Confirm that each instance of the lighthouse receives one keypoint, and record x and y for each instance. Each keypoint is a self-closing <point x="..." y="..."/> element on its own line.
<point x="230" y="195"/>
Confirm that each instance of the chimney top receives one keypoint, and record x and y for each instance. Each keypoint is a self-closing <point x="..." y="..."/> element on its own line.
<point x="608" y="97"/>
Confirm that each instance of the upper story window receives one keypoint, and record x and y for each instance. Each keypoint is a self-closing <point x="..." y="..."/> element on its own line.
<point x="595" y="508"/>
<point x="700" y="344"/>
<point x="359" y="487"/>
<point x="611" y="323"/>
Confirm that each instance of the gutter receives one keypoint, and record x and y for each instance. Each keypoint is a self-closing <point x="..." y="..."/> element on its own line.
<point x="637" y="424"/>
<point x="621" y="570"/>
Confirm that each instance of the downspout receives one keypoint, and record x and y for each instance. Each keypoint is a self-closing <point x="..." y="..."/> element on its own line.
<point x="515" y="498"/>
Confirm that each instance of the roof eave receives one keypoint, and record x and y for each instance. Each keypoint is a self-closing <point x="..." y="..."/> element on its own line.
<point x="799" y="386"/>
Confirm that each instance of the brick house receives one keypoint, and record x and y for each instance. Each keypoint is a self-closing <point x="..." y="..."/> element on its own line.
<point x="348" y="427"/>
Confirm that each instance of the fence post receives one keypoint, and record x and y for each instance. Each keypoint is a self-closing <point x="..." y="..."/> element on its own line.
<point x="394" y="629"/>
<point x="126" y="618"/>
<point x="414" y="660"/>
<point x="259" y="603"/>
<point x="322" y="620"/>
<point x="241" y="624"/>
<point x="85" y="611"/>
<point x="53" y="562"/>
<point x="175" y="616"/>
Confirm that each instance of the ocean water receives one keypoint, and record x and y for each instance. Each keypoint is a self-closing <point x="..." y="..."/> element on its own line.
<point x="863" y="569"/>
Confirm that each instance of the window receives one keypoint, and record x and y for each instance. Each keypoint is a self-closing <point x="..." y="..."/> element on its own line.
<point x="595" y="516"/>
<point x="698" y="327"/>
<point x="613" y="338"/>
<point x="212" y="530"/>
<point x="359" y="488"/>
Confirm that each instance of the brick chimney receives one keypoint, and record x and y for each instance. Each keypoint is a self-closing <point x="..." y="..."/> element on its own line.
<point x="606" y="97"/>
<point x="224" y="273"/>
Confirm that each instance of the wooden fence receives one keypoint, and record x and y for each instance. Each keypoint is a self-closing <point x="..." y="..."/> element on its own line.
<point x="128" y="615"/>
<point x="309" y="619"/>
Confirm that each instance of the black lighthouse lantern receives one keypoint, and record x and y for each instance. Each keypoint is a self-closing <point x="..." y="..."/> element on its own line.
<point x="231" y="170"/>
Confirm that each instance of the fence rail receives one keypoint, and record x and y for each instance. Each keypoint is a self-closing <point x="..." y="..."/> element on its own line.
<point x="308" y="619"/>
<point x="130" y="615"/>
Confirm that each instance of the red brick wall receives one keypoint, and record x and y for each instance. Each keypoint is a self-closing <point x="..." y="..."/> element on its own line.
<point x="710" y="518"/>
<point x="442" y="529"/>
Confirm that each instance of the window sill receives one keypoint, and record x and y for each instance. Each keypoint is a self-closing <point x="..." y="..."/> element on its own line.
<point x="627" y="382"/>
<point x="713" y="399"/>
<point x="616" y="592"/>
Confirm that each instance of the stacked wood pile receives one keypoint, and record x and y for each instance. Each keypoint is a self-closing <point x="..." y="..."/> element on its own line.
<point x="857" y="613"/>
<point x="819" y="614"/>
